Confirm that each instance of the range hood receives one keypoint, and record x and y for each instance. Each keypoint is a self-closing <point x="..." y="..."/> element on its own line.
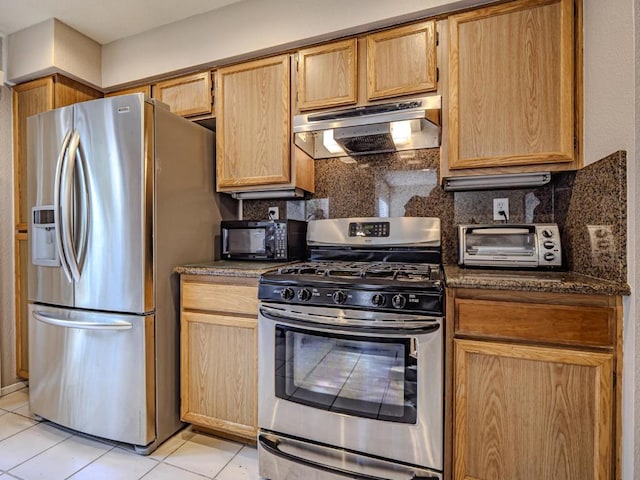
<point x="382" y="128"/>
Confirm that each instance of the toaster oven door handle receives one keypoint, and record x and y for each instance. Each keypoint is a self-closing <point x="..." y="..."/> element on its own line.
<point x="502" y="253"/>
<point x="498" y="231"/>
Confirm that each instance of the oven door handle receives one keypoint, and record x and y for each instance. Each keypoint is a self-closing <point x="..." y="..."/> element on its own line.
<point x="351" y="326"/>
<point x="271" y="446"/>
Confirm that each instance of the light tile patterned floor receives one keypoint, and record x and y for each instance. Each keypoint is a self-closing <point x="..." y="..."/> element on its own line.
<point x="32" y="450"/>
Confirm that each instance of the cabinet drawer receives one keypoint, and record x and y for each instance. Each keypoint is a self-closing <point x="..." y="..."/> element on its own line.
<point x="559" y="324"/>
<point x="220" y="298"/>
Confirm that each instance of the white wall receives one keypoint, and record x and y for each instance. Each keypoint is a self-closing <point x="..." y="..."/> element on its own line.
<point x="7" y="324"/>
<point x="609" y="125"/>
<point x="52" y="46"/>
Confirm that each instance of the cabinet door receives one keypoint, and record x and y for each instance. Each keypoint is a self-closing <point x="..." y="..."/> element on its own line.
<point x="531" y="412"/>
<point x="402" y="61"/>
<point x="511" y="85"/>
<point x="327" y="75"/>
<point x="253" y="124"/>
<point x="187" y="96"/>
<point x="146" y="89"/>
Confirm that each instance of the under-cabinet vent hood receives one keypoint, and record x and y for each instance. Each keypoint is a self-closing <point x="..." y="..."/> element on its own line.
<point x="382" y="128"/>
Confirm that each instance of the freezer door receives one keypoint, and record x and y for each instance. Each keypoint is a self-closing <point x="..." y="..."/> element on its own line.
<point x="48" y="136"/>
<point x="93" y="372"/>
<point x="115" y="152"/>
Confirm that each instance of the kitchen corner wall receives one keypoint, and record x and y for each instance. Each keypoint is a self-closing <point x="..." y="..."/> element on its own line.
<point x="589" y="205"/>
<point x="7" y="298"/>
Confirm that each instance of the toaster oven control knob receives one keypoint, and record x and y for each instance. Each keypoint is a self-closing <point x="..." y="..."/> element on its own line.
<point x="287" y="294"/>
<point x="398" y="301"/>
<point x="548" y="244"/>
<point x="304" y="294"/>
<point x="549" y="256"/>
<point x="339" y="297"/>
<point x="378" y="299"/>
<point x="546" y="233"/>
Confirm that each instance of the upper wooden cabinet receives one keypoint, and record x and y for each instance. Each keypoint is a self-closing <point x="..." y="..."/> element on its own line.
<point x="512" y="87"/>
<point x="146" y="89"/>
<point x="253" y="129"/>
<point x="327" y="75"/>
<point x="402" y="61"/>
<point x="31" y="98"/>
<point x="188" y="96"/>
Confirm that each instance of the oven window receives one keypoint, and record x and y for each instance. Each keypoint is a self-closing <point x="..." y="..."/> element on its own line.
<point x="363" y="376"/>
<point x="247" y="240"/>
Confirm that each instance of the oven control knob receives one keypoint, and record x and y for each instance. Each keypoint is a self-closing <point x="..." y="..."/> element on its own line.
<point x="546" y="233"/>
<point x="287" y="294"/>
<point x="398" y="301"/>
<point x="548" y="244"/>
<point x="549" y="256"/>
<point x="378" y="299"/>
<point x="339" y="297"/>
<point x="304" y="294"/>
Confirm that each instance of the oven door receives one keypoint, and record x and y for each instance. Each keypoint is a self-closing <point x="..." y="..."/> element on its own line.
<point x="370" y="382"/>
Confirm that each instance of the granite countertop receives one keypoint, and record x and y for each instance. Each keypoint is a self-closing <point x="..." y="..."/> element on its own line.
<point x="532" y="281"/>
<point x="229" y="268"/>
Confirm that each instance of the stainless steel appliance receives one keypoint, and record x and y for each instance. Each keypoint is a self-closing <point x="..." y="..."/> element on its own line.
<point x="510" y="245"/>
<point x="121" y="191"/>
<point x="264" y="239"/>
<point x="351" y="354"/>
<point x="363" y="130"/>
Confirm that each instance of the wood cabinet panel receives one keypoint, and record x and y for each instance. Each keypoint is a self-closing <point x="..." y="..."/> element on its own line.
<point x="253" y="124"/>
<point x="146" y="89"/>
<point x="402" y="61"/>
<point x="220" y="387"/>
<point x="187" y="96"/>
<point x="559" y="324"/>
<point x="511" y="102"/>
<point x="221" y="298"/>
<point x="327" y="75"/>
<point x="531" y="412"/>
<point x="218" y="359"/>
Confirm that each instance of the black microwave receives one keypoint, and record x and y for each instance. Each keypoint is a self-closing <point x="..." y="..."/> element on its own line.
<point x="279" y="240"/>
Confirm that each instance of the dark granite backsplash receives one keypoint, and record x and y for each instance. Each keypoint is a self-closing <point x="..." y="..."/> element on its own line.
<point x="589" y="205"/>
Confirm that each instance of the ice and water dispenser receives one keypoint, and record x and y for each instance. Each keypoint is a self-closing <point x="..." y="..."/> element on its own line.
<point x="44" y="251"/>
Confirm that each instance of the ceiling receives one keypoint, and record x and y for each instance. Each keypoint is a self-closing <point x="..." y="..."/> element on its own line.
<point x="102" y="21"/>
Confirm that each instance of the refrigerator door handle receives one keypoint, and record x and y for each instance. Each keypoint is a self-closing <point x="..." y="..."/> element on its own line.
<point x="85" y="325"/>
<point x="66" y="206"/>
<point x="57" y="205"/>
<point x="84" y="207"/>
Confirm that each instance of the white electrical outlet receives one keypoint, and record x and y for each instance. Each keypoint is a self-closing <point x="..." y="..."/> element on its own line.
<point x="273" y="213"/>
<point x="501" y="205"/>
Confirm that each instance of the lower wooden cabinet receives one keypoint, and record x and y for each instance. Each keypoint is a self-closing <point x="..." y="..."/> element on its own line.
<point x="219" y="354"/>
<point x="528" y="404"/>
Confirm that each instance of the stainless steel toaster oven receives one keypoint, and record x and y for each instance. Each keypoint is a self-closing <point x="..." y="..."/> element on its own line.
<point x="510" y="245"/>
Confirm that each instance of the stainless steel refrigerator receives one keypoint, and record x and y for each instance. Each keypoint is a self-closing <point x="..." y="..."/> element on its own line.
<point x="120" y="191"/>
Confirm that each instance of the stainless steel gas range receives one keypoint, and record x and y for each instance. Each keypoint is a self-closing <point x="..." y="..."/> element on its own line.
<point x="351" y="357"/>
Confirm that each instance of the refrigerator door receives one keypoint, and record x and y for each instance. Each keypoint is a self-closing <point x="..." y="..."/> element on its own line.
<point x="112" y="236"/>
<point x="48" y="137"/>
<point x="93" y="372"/>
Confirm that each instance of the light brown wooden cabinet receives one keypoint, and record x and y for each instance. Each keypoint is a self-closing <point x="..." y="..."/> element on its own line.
<point x="253" y="129"/>
<point x="146" y="89"/>
<point x="533" y="388"/>
<point x="218" y="366"/>
<point x="402" y="61"/>
<point x="188" y="96"/>
<point x="31" y="98"/>
<point x="327" y="75"/>
<point x="514" y="92"/>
